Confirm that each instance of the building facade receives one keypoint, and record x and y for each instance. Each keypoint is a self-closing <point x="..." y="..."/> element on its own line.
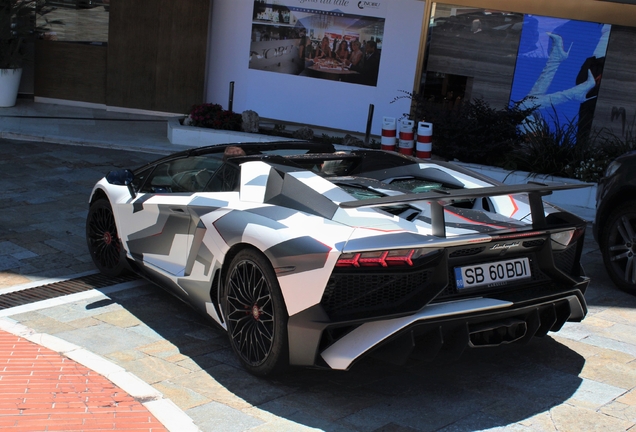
<point x="297" y="60"/>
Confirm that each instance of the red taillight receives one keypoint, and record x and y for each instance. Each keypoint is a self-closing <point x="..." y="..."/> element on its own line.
<point x="518" y="235"/>
<point x="402" y="257"/>
<point x="577" y="234"/>
<point x="373" y="259"/>
<point x="348" y="260"/>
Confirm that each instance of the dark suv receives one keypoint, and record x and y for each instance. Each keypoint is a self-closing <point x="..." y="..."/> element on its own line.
<point x="615" y="223"/>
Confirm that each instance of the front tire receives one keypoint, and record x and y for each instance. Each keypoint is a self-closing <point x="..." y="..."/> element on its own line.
<point x="618" y="246"/>
<point x="103" y="241"/>
<point x="255" y="314"/>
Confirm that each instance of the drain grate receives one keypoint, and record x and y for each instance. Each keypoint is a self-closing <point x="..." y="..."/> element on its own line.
<point x="59" y="289"/>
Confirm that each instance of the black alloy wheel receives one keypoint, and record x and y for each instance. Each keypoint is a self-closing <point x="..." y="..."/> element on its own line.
<point x="618" y="246"/>
<point x="255" y="314"/>
<point x="103" y="241"/>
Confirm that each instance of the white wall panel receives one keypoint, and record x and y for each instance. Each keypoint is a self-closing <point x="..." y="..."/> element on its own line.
<point x="312" y="101"/>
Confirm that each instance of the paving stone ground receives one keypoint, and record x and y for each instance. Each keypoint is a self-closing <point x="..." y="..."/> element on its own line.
<point x="580" y="379"/>
<point x="44" y="190"/>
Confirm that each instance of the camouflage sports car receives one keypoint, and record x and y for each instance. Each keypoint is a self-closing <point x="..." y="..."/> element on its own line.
<point x="317" y="255"/>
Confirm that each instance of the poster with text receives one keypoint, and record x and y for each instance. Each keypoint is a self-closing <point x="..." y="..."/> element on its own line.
<point x="337" y="40"/>
<point x="559" y="70"/>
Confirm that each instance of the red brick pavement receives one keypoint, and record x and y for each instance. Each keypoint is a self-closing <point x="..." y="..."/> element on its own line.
<point x="41" y="390"/>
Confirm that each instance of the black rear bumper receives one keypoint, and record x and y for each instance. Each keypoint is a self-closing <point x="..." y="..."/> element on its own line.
<point x="427" y="340"/>
<point x="441" y="329"/>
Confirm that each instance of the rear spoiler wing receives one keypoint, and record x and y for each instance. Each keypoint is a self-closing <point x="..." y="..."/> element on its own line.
<point x="439" y="198"/>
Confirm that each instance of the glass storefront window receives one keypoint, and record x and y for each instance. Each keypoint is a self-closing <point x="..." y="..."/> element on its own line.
<point x="471" y="53"/>
<point x="549" y="64"/>
<point x="83" y="21"/>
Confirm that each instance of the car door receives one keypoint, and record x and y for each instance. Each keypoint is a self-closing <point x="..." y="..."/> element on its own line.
<point x="155" y="225"/>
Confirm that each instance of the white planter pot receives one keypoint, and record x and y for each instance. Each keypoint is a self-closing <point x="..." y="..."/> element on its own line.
<point x="9" y="84"/>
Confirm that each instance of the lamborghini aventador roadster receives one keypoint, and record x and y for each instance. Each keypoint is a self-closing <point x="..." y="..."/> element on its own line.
<point x="318" y="255"/>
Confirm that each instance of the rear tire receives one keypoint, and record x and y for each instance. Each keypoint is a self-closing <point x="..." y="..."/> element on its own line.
<point x="255" y="314"/>
<point x="618" y="246"/>
<point x="103" y="240"/>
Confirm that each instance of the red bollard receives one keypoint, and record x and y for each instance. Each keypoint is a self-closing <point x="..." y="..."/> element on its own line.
<point x="407" y="137"/>
<point x="388" y="134"/>
<point x="424" y="140"/>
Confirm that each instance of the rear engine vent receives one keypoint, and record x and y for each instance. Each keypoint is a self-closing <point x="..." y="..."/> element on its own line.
<point x="533" y="243"/>
<point x="348" y="296"/>
<point x="466" y="252"/>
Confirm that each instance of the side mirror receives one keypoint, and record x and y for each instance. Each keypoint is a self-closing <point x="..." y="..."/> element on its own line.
<point x="123" y="177"/>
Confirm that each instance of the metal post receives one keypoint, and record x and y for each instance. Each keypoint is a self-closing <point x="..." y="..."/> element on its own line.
<point x="369" y="121"/>
<point x="230" y="102"/>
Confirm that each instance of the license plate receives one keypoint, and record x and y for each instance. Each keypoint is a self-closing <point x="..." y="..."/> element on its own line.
<point x="496" y="273"/>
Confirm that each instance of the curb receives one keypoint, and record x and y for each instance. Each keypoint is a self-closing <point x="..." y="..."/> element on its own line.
<point x="83" y="143"/>
<point x="167" y="412"/>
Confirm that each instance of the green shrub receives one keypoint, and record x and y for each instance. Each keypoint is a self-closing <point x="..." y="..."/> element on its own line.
<point x="330" y="139"/>
<point x="546" y="147"/>
<point x="17" y="26"/>
<point x="553" y="148"/>
<point x="474" y="132"/>
<point x="213" y="116"/>
<point x="615" y="145"/>
<point x="519" y="139"/>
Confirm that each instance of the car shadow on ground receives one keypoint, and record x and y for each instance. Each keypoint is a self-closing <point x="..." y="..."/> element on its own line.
<point x="484" y="388"/>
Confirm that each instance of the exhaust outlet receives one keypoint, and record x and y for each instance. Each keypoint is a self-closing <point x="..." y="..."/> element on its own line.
<point x="497" y="333"/>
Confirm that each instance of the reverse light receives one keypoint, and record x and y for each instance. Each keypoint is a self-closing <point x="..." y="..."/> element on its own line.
<point x="612" y="168"/>
<point x="384" y="258"/>
<point x="562" y="239"/>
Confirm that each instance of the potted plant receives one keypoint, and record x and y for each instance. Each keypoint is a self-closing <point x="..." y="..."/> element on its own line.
<point x="17" y="26"/>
